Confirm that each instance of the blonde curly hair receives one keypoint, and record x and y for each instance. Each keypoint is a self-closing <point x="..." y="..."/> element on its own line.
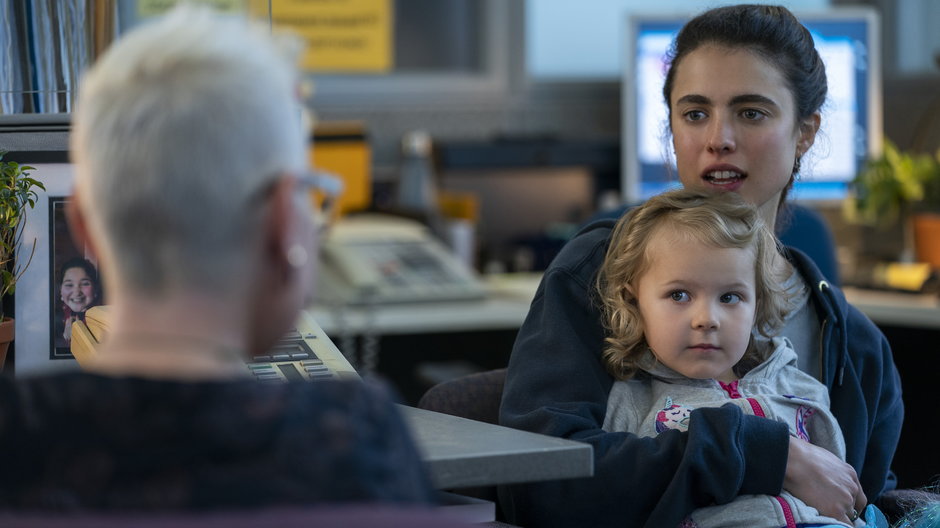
<point x="722" y="220"/>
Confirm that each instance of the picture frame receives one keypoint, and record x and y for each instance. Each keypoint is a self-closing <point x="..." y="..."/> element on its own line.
<point x="74" y="281"/>
<point x="33" y="298"/>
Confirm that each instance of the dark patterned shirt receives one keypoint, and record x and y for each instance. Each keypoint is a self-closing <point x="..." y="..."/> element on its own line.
<point x="85" y="441"/>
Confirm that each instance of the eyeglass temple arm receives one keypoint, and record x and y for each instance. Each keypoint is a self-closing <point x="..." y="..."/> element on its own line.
<point x="328" y="183"/>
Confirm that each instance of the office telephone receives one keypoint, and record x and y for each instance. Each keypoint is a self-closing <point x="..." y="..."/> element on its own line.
<point x="304" y="353"/>
<point x="373" y="258"/>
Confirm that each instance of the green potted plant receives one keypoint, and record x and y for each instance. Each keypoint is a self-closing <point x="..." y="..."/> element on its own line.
<point x="17" y="193"/>
<point x="901" y="187"/>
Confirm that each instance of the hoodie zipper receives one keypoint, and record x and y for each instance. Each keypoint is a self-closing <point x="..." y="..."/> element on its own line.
<point x="733" y="393"/>
<point x="787" y="512"/>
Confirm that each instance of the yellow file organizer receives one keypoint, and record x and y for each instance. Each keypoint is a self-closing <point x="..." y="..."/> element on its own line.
<point x="342" y="149"/>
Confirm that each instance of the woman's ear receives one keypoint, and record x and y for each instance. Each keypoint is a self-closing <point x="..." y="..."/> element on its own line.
<point x="275" y="300"/>
<point x="277" y="225"/>
<point x="78" y="226"/>
<point x="284" y="245"/>
<point x="808" y="129"/>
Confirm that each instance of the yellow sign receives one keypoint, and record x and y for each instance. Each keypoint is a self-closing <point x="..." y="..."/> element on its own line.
<point x="341" y="35"/>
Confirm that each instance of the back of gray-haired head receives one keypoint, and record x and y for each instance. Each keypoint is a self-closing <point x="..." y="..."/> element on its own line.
<point x="178" y="129"/>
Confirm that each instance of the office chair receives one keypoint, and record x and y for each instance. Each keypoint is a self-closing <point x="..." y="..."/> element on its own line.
<point x="475" y="396"/>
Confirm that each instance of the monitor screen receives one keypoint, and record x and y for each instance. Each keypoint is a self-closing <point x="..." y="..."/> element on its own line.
<point x="847" y="40"/>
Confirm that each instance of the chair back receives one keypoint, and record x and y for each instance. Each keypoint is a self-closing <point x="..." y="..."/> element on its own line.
<point x="475" y="396"/>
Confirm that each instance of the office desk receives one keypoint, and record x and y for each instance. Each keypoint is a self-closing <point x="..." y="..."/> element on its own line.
<point x="897" y="309"/>
<point x="464" y="453"/>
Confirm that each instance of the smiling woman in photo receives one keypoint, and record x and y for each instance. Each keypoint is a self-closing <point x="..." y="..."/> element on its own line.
<point x="79" y="289"/>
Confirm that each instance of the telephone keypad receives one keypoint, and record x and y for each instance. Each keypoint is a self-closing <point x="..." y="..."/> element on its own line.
<point x="291" y="359"/>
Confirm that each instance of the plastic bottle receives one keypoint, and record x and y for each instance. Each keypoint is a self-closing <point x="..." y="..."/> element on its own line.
<point x="417" y="185"/>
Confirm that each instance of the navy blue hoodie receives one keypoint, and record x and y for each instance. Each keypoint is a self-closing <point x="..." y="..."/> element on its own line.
<point x="557" y="385"/>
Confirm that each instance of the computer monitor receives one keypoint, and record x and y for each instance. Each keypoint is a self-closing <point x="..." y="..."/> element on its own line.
<point x="851" y="131"/>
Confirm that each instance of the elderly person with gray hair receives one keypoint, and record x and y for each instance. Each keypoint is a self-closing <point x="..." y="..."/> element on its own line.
<point x="189" y="159"/>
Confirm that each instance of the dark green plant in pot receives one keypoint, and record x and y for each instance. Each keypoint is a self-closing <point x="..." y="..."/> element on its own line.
<point x="17" y="194"/>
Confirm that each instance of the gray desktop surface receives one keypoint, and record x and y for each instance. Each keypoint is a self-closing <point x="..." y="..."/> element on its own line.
<point x="464" y="453"/>
<point x="907" y="310"/>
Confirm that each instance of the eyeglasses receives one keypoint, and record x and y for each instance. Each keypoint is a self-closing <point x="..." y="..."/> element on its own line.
<point x="322" y="190"/>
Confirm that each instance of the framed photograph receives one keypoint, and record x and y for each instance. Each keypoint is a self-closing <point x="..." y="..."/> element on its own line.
<point x="75" y="285"/>
<point x="38" y="296"/>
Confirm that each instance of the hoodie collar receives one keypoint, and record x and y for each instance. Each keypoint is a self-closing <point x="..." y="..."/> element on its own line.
<point x="831" y="306"/>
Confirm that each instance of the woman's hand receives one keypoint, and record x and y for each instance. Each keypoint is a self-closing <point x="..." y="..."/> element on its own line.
<point x="821" y="480"/>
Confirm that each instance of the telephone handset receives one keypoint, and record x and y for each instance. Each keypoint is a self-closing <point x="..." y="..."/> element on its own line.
<point x="304" y="353"/>
<point x="373" y="258"/>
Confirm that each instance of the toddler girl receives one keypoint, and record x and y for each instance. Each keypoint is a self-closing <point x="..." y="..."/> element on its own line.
<point x="692" y="298"/>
